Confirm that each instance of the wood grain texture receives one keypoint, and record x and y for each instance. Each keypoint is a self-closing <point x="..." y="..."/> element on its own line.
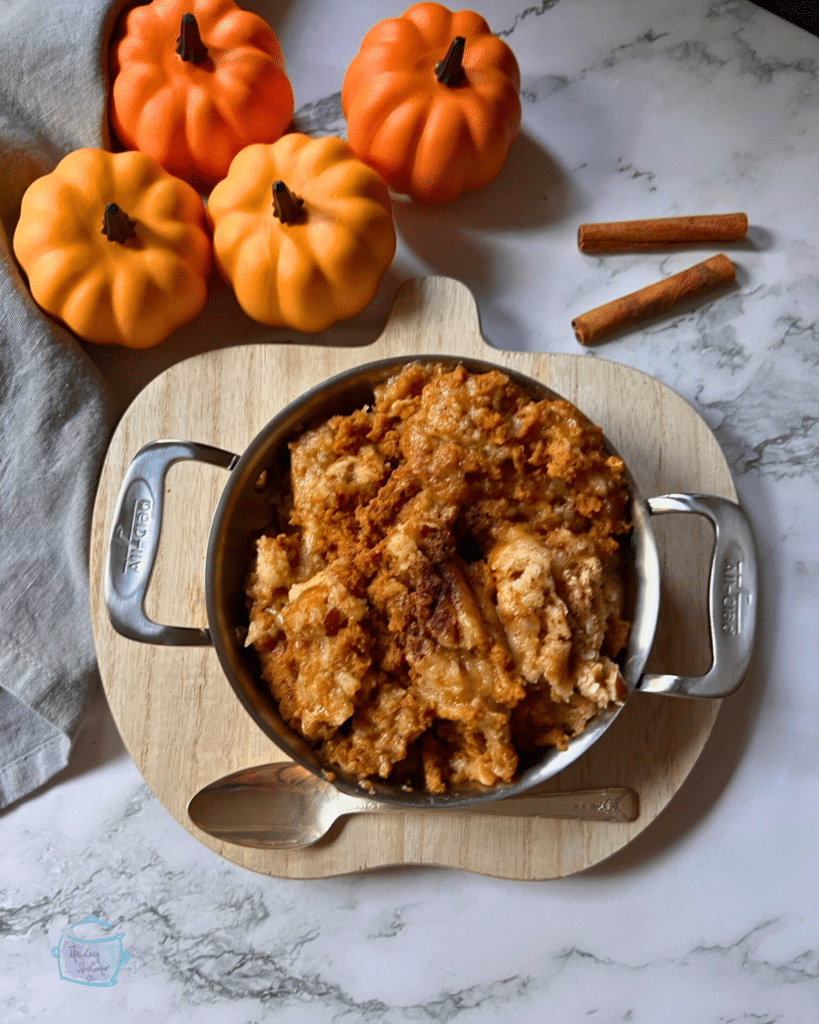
<point x="178" y="715"/>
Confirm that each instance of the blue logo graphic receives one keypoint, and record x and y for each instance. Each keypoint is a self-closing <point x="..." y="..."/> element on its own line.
<point x="90" y="961"/>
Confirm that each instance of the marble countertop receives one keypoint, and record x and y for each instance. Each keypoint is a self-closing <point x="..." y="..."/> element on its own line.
<point x="630" y="109"/>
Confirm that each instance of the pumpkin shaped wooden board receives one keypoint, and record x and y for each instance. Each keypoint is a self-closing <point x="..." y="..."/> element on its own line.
<point x="183" y="724"/>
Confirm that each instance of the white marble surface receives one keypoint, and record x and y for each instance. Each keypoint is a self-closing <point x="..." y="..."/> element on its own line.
<point x="631" y="108"/>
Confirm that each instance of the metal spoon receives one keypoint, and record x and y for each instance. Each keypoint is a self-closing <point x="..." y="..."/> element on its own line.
<point x="283" y="806"/>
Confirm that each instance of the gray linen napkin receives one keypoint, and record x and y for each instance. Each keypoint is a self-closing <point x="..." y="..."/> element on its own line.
<point x="56" y="412"/>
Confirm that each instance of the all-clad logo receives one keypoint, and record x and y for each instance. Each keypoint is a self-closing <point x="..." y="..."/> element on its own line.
<point x="133" y="539"/>
<point x="732" y="597"/>
<point x="140" y="523"/>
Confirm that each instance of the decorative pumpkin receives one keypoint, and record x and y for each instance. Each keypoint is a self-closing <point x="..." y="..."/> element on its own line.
<point x="195" y="81"/>
<point x="114" y="247"/>
<point x="431" y="102"/>
<point x="302" y="231"/>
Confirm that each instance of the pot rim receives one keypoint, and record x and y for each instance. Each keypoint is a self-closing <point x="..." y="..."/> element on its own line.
<point x="640" y="551"/>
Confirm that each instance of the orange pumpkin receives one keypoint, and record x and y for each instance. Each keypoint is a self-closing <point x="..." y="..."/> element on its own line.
<point x="114" y="247"/>
<point x="195" y="81"/>
<point x="431" y="102"/>
<point x="302" y="231"/>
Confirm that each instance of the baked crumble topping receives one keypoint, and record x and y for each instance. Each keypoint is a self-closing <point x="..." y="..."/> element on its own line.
<point x="439" y="594"/>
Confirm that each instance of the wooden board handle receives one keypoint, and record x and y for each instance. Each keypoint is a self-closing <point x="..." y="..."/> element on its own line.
<point x="439" y="310"/>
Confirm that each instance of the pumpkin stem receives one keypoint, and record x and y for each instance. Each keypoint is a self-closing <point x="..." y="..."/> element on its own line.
<point x="286" y="206"/>
<point x="117" y="226"/>
<point x="450" y="70"/>
<point x="189" y="45"/>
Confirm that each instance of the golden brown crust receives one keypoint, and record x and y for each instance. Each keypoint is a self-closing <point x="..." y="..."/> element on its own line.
<point x="444" y="596"/>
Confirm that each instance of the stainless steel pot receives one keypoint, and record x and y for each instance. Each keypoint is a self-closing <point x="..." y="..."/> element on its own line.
<point x="244" y="509"/>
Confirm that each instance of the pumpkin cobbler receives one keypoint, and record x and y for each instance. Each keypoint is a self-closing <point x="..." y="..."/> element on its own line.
<point x="439" y="596"/>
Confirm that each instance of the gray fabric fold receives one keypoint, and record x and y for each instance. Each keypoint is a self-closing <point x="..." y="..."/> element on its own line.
<point x="56" y="411"/>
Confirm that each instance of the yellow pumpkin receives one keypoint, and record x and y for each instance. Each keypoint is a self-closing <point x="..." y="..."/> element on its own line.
<point x="302" y="231"/>
<point x="114" y="247"/>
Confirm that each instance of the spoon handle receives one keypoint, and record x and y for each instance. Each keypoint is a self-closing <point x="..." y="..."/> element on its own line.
<point x="613" y="803"/>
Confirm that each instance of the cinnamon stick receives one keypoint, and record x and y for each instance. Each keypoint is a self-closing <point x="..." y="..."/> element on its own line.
<point x="661" y="232"/>
<point x="653" y="299"/>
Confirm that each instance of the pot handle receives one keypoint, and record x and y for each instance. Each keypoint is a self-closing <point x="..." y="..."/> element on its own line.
<point x="135" y="537"/>
<point x="732" y="598"/>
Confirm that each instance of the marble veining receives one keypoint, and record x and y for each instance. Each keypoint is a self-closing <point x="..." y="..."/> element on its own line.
<point x="534" y="11"/>
<point x="220" y="936"/>
<point x="631" y="108"/>
<point x="323" y="117"/>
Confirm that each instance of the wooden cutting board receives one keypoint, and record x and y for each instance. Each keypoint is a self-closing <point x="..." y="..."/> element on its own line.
<point x="182" y="723"/>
